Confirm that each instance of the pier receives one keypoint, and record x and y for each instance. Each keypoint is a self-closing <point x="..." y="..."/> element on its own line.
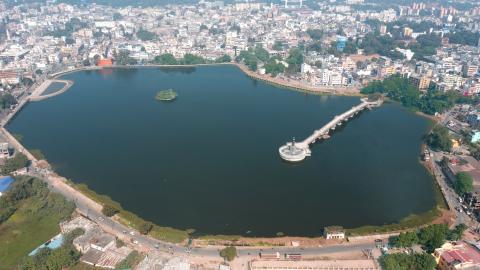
<point x="298" y="151"/>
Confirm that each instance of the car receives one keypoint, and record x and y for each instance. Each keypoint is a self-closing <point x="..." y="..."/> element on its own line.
<point x="124" y="232"/>
<point x="132" y="233"/>
<point x="157" y="246"/>
<point x="135" y="242"/>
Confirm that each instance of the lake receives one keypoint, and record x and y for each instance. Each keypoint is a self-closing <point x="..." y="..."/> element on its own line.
<point x="209" y="160"/>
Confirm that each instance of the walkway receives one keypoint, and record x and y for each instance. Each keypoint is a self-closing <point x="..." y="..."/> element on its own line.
<point x="37" y="95"/>
<point x="297" y="151"/>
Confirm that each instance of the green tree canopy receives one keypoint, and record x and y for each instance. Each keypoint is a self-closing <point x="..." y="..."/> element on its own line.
<point x="295" y="59"/>
<point x="402" y="261"/>
<point x="249" y="59"/>
<point x="223" y="59"/>
<point x="463" y="183"/>
<point x="261" y="53"/>
<point x="228" y="253"/>
<point x="190" y="59"/>
<point x="17" y="162"/>
<point x="439" y="139"/>
<point x="315" y="34"/>
<point x="109" y="210"/>
<point x="165" y="59"/>
<point x="145" y="35"/>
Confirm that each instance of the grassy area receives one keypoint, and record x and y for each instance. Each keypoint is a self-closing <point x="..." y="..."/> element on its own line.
<point x="412" y="221"/>
<point x="132" y="220"/>
<point x="220" y="237"/>
<point x="37" y="153"/>
<point x="34" y="222"/>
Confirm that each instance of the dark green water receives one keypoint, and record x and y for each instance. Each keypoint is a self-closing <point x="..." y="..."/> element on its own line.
<point x="209" y="160"/>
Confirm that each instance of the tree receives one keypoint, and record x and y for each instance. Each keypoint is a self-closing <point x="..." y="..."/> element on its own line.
<point x="457" y="233"/>
<point x="402" y="261"/>
<point x="278" y="45"/>
<point x="117" y="16"/>
<point x="228" y="253"/>
<point x="190" y="59"/>
<point x="406" y="239"/>
<point x="145" y="227"/>
<point x="295" y="60"/>
<point x="223" y="59"/>
<point x="274" y="67"/>
<point x="6" y="100"/>
<point x="439" y="139"/>
<point x="109" y="210"/>
<point x="464" y="37"/>
<point x="165" y="59"/>
<point x="17" y="162"/>
<point x="315" y="34"/>
<point x="248" y="59"/>
<point x="261" y="53"/>
<point x="463" y="183"/>
<point x="123" y="58"/>
<point x="433" y="236"/>
<point x="145" y="35"/>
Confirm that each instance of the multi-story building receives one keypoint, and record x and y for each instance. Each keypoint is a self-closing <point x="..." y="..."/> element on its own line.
<point x="420" y="82"/>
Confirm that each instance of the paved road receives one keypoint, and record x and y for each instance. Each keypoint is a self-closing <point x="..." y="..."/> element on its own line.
<point x="449" y="194"/>
<point x="146" y="243"/>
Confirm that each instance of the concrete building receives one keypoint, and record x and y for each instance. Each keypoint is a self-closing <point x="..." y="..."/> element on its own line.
<point x="469" y="70"/>
<point x="314" y="265"/>
<point x="334" y="232"/>
<point x="420" y="82"/>
<point x="457" y="256"/>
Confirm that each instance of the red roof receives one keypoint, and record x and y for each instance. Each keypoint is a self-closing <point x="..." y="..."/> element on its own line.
<point x="104" y="62"/>
<point x="463" y="254"/>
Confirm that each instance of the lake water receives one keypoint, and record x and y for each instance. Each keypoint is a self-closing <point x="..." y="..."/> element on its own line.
<point x="209" y="160"/>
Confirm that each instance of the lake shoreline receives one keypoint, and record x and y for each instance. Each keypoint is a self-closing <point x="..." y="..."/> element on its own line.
<point x="293" y="85"/>
<point x="177" y="66"/>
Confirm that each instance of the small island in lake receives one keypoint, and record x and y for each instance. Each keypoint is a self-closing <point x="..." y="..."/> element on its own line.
<point x="166" y="95"/>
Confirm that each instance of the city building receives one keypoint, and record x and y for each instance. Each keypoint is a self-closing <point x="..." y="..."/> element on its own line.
<point x="457" y="256"/>
<point x="420" y="82"/>
<point x="334" y="232"/>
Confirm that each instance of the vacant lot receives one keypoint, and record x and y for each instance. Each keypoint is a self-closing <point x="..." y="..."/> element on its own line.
<point x="35" y="221"/>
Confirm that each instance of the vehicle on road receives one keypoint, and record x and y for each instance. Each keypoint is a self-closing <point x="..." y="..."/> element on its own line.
<point x="293" y="256"/>
<point x="270" y="256"/>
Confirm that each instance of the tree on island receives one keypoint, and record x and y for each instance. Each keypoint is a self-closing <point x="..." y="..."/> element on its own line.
<point x="463" y="183"/>
<point x="228" y="253"/>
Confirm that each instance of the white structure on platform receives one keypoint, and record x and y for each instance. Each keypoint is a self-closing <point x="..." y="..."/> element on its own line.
<point x="298" y="151"/>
